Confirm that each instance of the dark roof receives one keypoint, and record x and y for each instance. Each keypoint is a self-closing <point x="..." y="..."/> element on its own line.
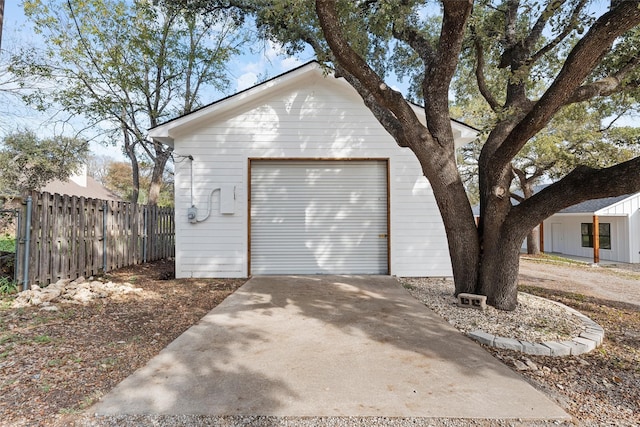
<point x="590" y="206"/>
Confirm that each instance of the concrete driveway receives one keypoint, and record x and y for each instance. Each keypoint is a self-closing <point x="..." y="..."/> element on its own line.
<point x="326" y="346"/>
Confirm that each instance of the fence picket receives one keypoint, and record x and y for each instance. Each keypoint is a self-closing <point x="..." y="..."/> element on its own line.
<point x="67" y="236"/>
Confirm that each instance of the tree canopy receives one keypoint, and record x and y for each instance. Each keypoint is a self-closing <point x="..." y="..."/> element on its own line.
<point x="28" y="163"/>
<point x="509" y="43"/>
<point x="126" y="66"/>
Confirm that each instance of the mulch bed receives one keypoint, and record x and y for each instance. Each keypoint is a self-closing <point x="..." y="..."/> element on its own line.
<point x="55" y="364"/>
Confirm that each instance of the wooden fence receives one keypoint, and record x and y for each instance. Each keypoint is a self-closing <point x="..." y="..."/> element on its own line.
<point x="71" y="237"/>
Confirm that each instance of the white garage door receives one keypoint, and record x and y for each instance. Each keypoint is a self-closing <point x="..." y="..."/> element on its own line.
<point x="318" y="217"/>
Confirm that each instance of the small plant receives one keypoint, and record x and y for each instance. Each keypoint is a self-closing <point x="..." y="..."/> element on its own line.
<point x="42" y="339"/>
<point x="7" y="243"/>
<point x="54" y="362"/>
<point x="69" y="411"/>
<point x="45" y="387"/>
<point x="7" y="286"/>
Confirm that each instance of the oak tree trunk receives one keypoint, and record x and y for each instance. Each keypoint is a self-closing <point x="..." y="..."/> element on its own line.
<point x="533" y="241"/>
<point x="160" y="163"/>
<point x="499" y="270"/>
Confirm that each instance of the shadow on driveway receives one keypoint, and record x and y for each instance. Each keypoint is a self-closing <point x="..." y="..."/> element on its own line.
<point x="326" y="346"/>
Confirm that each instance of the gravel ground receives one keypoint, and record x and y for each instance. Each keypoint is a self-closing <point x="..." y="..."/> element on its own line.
<point x="533" y="320"/>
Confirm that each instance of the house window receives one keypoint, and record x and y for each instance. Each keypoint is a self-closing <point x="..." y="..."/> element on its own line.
<point x="587" y="235"/>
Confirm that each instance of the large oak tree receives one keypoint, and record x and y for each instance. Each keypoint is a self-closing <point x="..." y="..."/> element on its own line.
<point x="363" y="40"/>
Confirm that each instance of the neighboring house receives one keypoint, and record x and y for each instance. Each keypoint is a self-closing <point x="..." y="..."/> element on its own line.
<point x="80" y="185"/>
<point x="572" y="230"/>
<point x="296" y="176"/>
<point x="615" y="220"/>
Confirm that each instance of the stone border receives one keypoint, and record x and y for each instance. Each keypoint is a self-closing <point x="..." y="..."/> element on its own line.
<point x="590" y="338"/>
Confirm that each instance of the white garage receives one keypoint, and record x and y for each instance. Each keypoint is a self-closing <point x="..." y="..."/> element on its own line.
<point x="319" y="216"/>
<point x="296" y="176"/>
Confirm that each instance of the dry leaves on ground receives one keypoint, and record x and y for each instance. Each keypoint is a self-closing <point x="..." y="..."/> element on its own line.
<point x="54" y="364"/>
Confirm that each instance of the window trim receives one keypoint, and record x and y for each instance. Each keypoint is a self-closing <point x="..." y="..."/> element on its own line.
<point x="586" y="239"/>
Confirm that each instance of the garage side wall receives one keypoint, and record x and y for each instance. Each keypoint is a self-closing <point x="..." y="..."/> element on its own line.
<point x="314" y="118"/>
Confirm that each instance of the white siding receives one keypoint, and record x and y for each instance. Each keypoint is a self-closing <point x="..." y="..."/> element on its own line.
<point x="562" y="234"/>
<point x="629" y="207"/>
<point x="313" y="119"/>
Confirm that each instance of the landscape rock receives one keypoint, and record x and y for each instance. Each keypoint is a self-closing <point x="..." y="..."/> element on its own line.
<point x="78" y="291"/>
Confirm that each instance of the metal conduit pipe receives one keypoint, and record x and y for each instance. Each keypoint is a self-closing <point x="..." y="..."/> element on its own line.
<point x="27" y="238"/>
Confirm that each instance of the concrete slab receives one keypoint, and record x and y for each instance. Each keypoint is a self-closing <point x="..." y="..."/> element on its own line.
<point x="326" y="346"/>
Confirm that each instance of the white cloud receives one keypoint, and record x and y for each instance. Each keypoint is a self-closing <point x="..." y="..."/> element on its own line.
<point x="246" y="80"/>
<point x="290" y="62"/>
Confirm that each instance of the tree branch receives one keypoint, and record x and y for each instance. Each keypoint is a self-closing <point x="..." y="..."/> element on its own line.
<point x="580" y="62"/>
<point x="583" y="183"/>
<point x="480" y="77"/>
<point x="360" y="75"/>
<point x="384" y="116"/>
<point x="608" y="85"/>
<point x="417" y="42"/>
<point x="536" y="32"/>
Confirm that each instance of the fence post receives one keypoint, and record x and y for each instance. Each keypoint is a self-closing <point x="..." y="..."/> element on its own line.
<point x="18" y="236"/>
<point x="145" y="234"/>
<point x="27" y="238"/>
<point x="105" y="206"/>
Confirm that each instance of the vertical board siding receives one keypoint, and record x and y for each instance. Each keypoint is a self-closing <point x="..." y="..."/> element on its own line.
<point x="572" y="243"/>
<point x="68" y="237"/>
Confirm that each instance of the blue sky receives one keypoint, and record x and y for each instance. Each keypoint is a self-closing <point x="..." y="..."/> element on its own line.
<point x="244" y="72"/>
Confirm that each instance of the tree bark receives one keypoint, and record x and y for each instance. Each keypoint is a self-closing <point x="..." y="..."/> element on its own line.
<point x="160" y="162"/>
<point x="533" y="241"/>
<point x="499" y="270"/>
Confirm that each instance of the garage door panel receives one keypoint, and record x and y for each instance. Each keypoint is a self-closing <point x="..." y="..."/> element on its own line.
<point x="311" y="217"/>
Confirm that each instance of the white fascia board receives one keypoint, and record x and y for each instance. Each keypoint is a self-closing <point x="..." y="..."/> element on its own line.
<point x="166" y="133"/>
<point x="462" y="134"/>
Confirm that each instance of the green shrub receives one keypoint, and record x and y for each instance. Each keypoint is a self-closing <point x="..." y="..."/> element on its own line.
<point x="7" y="286"/>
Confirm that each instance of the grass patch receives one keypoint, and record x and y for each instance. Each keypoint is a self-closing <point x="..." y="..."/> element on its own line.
<point x="42" y="339"/>
<point x="7" y="286"/>
<point x="7" y="244"/>
<point x="550" y="258"/>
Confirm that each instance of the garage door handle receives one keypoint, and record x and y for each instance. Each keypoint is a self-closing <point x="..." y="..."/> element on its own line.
<point x="382" y="236"/>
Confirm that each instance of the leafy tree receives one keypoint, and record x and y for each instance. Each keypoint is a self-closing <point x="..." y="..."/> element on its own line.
<point x="117" y="178"/>
<point x="364" y="40"/>
<point x="127" y="66"/>
<point x="579" y="134"/>
<point x="27" y="162"/>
